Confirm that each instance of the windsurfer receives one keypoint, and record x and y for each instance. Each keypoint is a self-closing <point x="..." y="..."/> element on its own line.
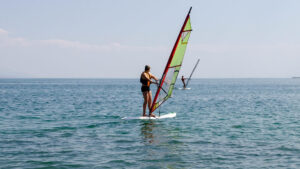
<point x="145" y="79"/>
<point x="183" y="81"/>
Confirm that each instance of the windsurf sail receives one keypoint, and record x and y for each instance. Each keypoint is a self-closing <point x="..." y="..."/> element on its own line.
<point x="192" y="73"/>
<point x="169" y="76"/>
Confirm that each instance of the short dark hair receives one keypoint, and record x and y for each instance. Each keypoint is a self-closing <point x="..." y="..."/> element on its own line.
<point x="147" y="67"/>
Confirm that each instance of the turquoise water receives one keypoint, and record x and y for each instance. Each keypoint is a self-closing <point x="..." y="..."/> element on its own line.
<point x="220" y="123"/>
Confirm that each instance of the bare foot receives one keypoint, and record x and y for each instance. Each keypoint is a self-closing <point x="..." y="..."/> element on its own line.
<point x="144" y="115"/>
<point x="152" y="115"/>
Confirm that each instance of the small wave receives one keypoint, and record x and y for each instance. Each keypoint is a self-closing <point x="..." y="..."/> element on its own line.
<point x="122" y="132"/>
<point x="27" y="117"/>
<point x="175" y="142"/>
<point x="66" y="135"/>
<point x="291" y="149"/>
<point x="124" y="141"/>
<point x="92" y="126"/>
<point x="201" y="142"/>
<point x="54" y="129"/>
<point x="237" y="126"/>
<point x="119" y="162"/>
<point x="95" y="125"/>
<point x="44" y="163"/>
<point x="105" y="117"/>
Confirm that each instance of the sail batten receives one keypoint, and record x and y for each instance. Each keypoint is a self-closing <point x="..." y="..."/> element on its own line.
<point x="173" y="66"/>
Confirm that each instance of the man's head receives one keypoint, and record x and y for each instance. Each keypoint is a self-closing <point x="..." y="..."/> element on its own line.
<point x="147" y="68"/>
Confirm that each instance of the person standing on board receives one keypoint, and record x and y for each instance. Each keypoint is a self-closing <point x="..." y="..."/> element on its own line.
<point x="183" y="81"/>
<point x="145" y="79"/>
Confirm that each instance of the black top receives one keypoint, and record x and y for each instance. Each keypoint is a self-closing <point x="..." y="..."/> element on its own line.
<point x="145" y="82"/>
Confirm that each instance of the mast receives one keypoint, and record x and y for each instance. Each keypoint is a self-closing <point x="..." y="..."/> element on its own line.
<point x="192" y="73"/>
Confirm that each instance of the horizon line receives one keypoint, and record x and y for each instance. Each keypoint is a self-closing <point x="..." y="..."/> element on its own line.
<point x="138" y="78"/>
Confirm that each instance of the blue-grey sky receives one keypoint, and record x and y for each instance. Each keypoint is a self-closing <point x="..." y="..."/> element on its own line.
<point x="116" y="38"/>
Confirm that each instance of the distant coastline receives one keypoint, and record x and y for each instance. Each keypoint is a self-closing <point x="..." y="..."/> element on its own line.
<point x="296" y="77"/>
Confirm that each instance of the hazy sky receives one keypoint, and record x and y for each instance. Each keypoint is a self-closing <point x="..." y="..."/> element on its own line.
<point x="116" y="38"/>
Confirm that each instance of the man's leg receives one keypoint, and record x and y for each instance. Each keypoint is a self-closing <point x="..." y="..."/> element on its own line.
<point x="150" y="104"/>
<point x="145" y="103"/>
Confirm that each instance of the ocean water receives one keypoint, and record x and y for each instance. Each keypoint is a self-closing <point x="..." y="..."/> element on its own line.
<point x="220" y="123"/>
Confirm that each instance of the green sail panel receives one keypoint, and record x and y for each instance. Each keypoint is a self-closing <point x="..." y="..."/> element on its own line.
<point x="169" y="77"/>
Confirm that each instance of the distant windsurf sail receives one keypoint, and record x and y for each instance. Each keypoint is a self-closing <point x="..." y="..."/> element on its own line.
<point x="192" y="73"/>
<point x="169" y="76"/>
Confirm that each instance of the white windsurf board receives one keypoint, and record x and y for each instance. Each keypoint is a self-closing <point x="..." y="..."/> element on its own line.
<point x="165" y="116"/>
<point x="184" y="88"/>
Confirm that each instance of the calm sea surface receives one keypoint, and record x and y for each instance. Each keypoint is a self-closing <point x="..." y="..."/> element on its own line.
<point x="220" y="123"/>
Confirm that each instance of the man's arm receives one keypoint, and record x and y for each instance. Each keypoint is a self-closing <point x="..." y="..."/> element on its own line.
<point x="153" y="77"/>
<point x="149" y="79"/>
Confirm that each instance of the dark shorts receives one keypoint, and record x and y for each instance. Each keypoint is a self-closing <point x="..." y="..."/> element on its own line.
<point x="145" y="89"/>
